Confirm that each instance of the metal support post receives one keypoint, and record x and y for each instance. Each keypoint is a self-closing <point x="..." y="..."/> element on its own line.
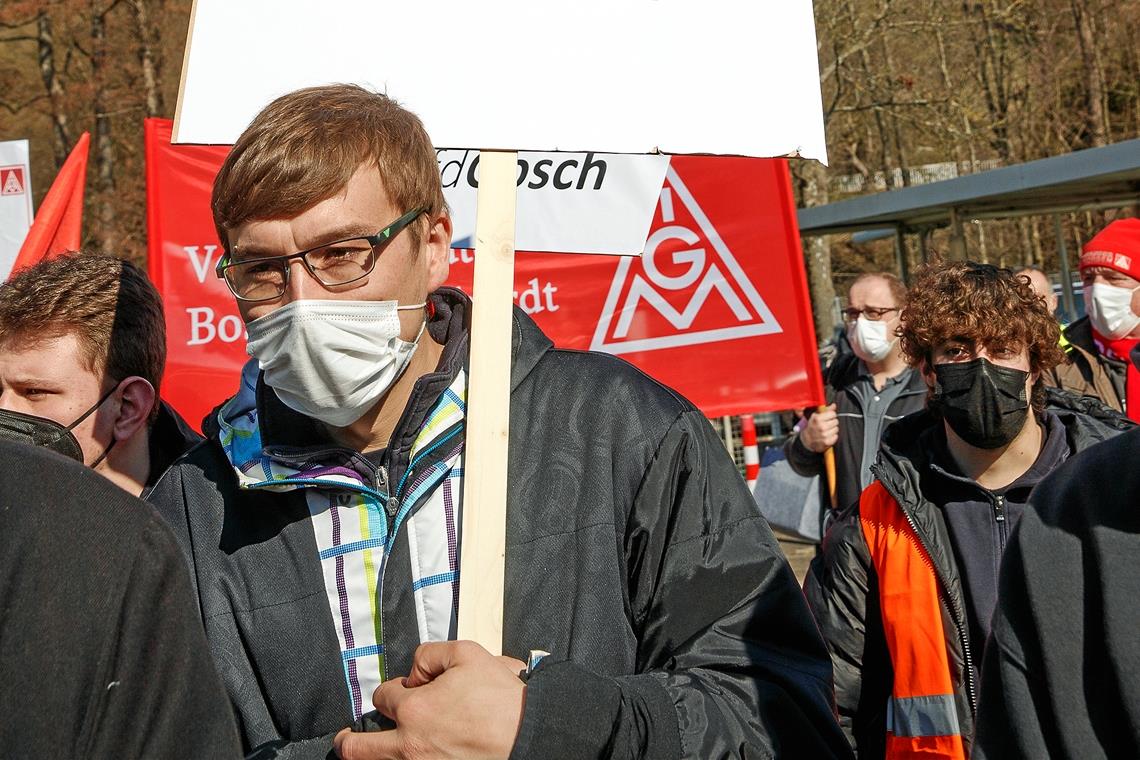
<point x="1067" y="300"/>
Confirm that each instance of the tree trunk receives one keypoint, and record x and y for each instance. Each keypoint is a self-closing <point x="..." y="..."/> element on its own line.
<point x="896" y="131"/>
<point x="149" y="58"/>
<point x="104" y="142"/>
<point x="1094" y="81"/>
<point x="1038" y="253"/>
<point x="45" y="43"/>
<point x="817" y="250"/>
<point x="993" y="77"/>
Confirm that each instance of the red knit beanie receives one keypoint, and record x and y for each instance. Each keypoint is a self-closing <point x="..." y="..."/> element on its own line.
<point x="1117" y="247"/>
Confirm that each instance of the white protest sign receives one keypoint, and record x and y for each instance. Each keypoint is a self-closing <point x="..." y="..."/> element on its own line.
<point x="580" y="202"/>
<point x="15" y="201"/>
<point x="730" y="77"/>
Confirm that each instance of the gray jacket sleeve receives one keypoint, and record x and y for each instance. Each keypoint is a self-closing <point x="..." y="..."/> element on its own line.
<point x="730" y="663"/>
<point x="803" y="460"/>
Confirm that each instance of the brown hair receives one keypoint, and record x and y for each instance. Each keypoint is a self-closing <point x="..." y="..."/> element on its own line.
<point x="982" y="303"/>
<point x="305" y="146"/>
<point x="109" y="304"/>
<point x="898" y="290"/>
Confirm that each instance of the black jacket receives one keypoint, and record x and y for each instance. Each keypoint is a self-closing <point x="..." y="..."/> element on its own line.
<point x="841" y="586"/>
<point x="102" y="653"/>
<point x="1062" y="667"/>
<point x="635" y="555"/>
<point x="842" y="375"/>
<point x="170" y="438"/>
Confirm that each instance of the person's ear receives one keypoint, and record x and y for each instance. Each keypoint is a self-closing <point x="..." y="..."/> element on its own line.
<point x="136" y="401"/>
<point x="927" y="371"/>
<point x="437" y="248"/>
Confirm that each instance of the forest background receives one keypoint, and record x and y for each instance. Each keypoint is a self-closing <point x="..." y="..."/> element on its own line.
<point x="913" y="92"/>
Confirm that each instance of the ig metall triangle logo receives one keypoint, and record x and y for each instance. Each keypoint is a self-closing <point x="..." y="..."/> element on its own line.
<point x="686" y="289"/>
<point x="11" y="180"/>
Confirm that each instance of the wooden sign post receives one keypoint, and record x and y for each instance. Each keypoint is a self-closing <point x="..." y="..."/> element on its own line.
<point x="482" y="547"/>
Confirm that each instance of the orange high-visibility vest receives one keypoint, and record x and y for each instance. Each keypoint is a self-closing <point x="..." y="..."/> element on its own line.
<point x="922" y="721"/>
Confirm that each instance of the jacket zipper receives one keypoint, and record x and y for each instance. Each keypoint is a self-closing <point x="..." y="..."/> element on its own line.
<point x="392" y="507"/>
<point x="959" y="615"/>
<point x="999" y="516"/>
<point x="391" y="502"/>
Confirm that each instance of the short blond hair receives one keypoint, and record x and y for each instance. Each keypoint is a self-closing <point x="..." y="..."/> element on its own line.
<point x="304" y="147"/>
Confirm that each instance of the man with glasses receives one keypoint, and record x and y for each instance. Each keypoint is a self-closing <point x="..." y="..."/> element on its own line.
<point x="321" y="517"/>
<point x="868" y="389"/>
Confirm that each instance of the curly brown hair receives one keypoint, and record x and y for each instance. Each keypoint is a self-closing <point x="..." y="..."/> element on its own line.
<point x="980" y="303"/>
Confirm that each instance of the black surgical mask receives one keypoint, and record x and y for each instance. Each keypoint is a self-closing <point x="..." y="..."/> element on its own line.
<point x="986" y="405"/>
<point x="40" y="431"/>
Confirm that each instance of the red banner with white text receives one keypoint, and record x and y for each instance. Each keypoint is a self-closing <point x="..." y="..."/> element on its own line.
<point x="717" y="307"/>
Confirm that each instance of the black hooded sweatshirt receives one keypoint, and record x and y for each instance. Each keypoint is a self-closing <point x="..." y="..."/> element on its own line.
<point x="1062" y="667"/>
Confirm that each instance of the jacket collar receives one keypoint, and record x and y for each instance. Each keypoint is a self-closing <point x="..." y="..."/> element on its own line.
<point x="1079" y="334"/>
<point x="1055" y="449"/>
<point x="848" y="369"/>
<point x="169" y="438"/>
<point x="909" y="444"/>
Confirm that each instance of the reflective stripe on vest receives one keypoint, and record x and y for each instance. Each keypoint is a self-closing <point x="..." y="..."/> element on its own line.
<point x="922" y="720"/>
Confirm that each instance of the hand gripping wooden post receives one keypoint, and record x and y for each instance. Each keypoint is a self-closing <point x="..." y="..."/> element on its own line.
<point x="482" y="545"/>
<point x="829" y="466"/>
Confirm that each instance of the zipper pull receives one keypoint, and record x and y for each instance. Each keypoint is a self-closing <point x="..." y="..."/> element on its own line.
<point x="999" y="509"/>
<point x="391" y="503"/>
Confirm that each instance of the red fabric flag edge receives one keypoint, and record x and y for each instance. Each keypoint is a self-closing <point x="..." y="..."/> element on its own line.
<point x="58" y="225"/>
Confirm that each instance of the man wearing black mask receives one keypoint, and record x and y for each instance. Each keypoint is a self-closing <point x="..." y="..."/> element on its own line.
<point x="907" y="581"/>
<point x="82" y="351"/>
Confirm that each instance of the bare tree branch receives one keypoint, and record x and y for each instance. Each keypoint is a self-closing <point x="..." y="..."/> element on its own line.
<point x="15" y="108"/>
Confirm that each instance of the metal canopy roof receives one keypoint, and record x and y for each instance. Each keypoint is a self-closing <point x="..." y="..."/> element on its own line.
<point x="1107" y="177"/>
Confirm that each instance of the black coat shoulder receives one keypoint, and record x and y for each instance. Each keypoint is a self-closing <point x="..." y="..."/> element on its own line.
<point x="88" y="664"/>
<point x="1067" y="614"/>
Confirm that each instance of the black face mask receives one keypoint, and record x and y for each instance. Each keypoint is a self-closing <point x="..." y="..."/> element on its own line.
<point x="983" y="403"/>
<point x="40" y="431"/>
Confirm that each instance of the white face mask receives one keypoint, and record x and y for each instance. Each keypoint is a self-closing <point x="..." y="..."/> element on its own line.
<point x="331" y="360"/>
<point x="869" y="339"/>
<point x="1110" y="309"/>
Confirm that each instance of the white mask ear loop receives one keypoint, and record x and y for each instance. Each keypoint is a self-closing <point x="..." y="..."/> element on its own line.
<point x="423" y="324"/>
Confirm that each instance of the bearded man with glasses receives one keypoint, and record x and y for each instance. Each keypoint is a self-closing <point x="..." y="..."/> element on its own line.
<point x="321" y="516"/>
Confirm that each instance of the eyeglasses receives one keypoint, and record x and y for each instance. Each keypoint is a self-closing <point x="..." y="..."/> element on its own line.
<point x="870" y="312"/>
<point x="337" y="263"/>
